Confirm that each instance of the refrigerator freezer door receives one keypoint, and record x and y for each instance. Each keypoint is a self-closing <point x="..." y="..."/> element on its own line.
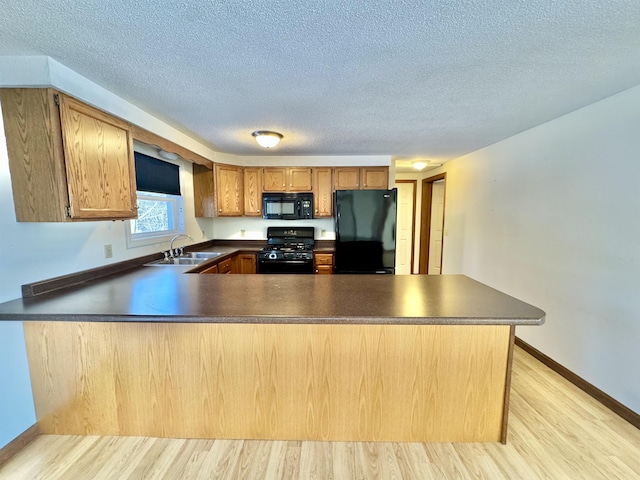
<point x="365" y="231"/>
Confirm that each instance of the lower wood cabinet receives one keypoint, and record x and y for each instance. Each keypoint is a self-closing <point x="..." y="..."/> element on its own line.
<point x="323" y="263"/>
<point x="246" y="263"/>
<point x="240" y="263"/>
<point x="226" y="266"/>
<point x="213" y="269"/>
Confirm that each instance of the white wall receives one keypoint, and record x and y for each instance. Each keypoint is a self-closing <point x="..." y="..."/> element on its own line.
<point x="36" y="251"/>
<point x="552" y="216"/>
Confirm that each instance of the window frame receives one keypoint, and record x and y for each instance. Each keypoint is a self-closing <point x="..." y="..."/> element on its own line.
<point x="151" y="238"/>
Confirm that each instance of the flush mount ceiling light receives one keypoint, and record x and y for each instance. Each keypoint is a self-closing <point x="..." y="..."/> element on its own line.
<point x="419" y="165"/>
<point x="267" y="139"/>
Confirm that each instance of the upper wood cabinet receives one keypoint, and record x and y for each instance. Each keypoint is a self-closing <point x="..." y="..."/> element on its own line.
<point x="322" y="192"/>
<point x="203" y="191"/>
<point x="364" y="178"/>
<point x="228" y="190"/>
<point x="68" y="161"/>
<point x="218" y="192"/>
<point x="295" y="179"/>
<point x="253" y="192"/>
<point x="374" y="178"/>
<point x="346" y="178"/>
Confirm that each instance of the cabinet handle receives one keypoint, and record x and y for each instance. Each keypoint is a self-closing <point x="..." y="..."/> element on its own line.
<point x="219" y="209"/>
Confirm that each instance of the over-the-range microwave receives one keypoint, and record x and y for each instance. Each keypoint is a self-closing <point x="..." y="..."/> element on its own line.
<point x="287" y="206"/>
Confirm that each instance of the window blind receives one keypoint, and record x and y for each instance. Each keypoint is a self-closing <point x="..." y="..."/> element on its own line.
<point x="153" y="175"/>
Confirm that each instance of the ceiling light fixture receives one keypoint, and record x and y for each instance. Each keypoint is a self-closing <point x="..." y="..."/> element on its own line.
<point x="419" y="165"/>
<point x="267" y="139"/>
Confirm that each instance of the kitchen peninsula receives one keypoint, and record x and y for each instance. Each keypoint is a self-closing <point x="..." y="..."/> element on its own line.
<point x="156" y="352"/>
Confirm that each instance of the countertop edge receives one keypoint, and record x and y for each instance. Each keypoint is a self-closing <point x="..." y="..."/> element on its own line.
<point x="279" y="320"/>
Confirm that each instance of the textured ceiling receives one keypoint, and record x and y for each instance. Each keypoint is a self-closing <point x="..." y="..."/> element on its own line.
<point x="430" y="79"/>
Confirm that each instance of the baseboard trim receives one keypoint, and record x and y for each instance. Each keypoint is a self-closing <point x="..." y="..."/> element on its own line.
<point x="611" y="403"/>
<point x="18" y="443"/>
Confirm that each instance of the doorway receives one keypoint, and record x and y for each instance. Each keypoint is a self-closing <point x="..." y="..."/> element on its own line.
<point x="406" y="226"/>
<point x="432" y="224"/>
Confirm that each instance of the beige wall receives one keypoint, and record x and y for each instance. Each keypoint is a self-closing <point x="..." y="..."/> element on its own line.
<point x="552" y="216"/>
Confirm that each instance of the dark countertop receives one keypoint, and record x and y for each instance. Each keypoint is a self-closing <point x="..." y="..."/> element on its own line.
<point x="167" y="294"/>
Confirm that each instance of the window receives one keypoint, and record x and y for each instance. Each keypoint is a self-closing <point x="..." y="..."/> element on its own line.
<point x="160" y="217"/>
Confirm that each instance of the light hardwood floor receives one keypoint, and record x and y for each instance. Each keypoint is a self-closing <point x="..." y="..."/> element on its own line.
<point x="556" y="431"/>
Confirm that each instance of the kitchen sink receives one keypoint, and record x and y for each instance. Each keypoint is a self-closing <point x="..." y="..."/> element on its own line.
<point x="201" y="255"/>
<point x="191" y="258"/>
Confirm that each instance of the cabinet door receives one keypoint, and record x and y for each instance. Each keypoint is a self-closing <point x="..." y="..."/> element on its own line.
<point x="203" y="191"/>
<point x="323" y="263"/>
<point x="322" y="192"/>
<point x="299" y="179"/>
<point x="226" y="266"/>
<point x="246" y="263"/>
<point x="213" y="269"/>
<point x="98" y="153"/>
<point x="346" y="178"/>
<point x="374" y="178"/>
<point x="274" y="179"/>
<point x="36" y="158"/>
<point x="229" y="199"/>
<point x="253" y="192"/>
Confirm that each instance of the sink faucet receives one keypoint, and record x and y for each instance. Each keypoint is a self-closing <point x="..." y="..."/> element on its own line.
<point x="176" y="253"/>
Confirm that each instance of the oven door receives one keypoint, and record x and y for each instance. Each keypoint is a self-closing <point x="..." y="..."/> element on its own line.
<point x="285" y="266"/>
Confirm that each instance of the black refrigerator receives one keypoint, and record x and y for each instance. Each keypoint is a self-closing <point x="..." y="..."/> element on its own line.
<point x="365" y="231"/>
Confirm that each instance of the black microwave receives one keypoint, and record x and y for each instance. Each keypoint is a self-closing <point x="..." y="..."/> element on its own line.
<point x="287" y="206"/>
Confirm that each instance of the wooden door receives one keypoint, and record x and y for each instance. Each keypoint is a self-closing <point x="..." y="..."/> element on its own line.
<point x="436" y="228"/>
<point x="274" y="179"/>
<point x="322" y="192"/>
<point x="405" y="242"/>
<point x="98" y="150"/>
<point x="374" y="178"/>
<point x="425" y="221"/>
<point x="229" y="198"/>
<point x="299" y="179"/>
<point x="346" y="178"/>
<point x="253" y="192"/>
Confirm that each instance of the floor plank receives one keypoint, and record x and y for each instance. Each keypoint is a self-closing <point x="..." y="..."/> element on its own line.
<point x="556" y="431"/>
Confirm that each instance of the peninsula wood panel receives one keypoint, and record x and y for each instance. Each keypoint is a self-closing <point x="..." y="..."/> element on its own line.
<point x="438" y="383"/>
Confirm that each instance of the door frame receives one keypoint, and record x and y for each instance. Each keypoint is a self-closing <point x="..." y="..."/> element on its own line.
<point x="413" y="221"/>
<point x="425" y="219"/>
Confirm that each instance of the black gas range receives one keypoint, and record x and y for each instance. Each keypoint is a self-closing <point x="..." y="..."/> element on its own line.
<point x="288" y="250"/>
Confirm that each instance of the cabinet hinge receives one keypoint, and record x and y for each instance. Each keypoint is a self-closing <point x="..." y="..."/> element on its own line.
<point x="67" y="210"/>
<point x="56" y="100"/>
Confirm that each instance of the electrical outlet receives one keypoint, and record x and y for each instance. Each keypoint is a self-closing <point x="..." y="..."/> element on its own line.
<point x="323" y="233"/>
<point x="242" y="233"/>
<point x="108" y="251"/>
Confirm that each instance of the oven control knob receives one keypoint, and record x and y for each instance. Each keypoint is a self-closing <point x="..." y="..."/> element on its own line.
<point x="273" y="256"/>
